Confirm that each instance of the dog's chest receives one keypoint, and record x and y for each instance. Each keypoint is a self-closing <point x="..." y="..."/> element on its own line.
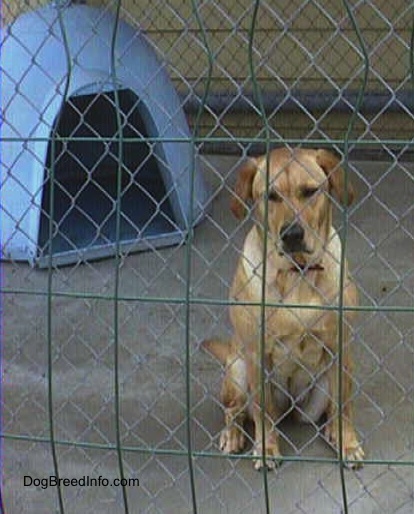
<point x="299" y="330"/>
<point x="298" y="326"/>
<point x="299" y="320"/>
<point x="297" y="307"/>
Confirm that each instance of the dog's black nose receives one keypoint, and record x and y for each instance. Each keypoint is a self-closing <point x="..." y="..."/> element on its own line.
<point x="292" y="235"/>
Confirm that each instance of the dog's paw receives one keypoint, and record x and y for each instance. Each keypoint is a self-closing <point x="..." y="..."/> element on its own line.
<point x="271" y="457"/>
<point x="232" y="440"/>
<point x="352" y="452"/>
<point x="354" y="455"/>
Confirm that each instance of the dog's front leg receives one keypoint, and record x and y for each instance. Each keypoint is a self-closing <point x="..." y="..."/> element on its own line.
<point x="270" y="446"/>
<point x="351" y="447"/>
<point x="234" y="399"/>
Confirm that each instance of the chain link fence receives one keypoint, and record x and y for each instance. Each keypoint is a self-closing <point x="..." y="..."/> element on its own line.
<point x="126" y="136"/>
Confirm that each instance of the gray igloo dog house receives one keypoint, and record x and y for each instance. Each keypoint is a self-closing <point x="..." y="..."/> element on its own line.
<point x="43" y="96"/>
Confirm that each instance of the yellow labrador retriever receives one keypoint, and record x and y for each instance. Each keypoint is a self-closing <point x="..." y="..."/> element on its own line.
<point x="297" y="271"/>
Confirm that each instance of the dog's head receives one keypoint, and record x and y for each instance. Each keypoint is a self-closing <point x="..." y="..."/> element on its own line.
<point x="300" y="186"/>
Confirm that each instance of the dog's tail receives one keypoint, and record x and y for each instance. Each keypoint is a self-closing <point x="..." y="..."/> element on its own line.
<point x="217" y="348"/>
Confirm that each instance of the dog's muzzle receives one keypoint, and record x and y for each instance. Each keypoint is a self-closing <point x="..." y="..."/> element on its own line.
<point x="292" y="236"/>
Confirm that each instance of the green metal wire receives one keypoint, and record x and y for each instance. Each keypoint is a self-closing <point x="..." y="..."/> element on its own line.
<point x="309" y="143"/>
<point x="179" y="300"/>
<point x="189" y="253"/>
<point x="196" y="453"/>
<point x="344" y="233"/>
<point x="117" y="262"/>
<point x="411" y="54"/>
<point x="262" y="374"/>
<point x="49" y="329"/>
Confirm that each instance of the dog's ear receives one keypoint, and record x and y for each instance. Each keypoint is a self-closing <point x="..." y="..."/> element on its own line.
<point x="243" y="189"/>
<point x="330" y="164"/>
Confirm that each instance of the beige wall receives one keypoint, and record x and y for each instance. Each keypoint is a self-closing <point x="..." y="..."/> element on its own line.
<point x="294" y="47"/>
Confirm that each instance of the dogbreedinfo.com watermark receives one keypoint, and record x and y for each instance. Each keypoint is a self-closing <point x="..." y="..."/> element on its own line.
<point x="85" y="481"/>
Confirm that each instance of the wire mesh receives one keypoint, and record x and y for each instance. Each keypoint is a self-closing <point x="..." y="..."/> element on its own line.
<point x="103" y="377"/>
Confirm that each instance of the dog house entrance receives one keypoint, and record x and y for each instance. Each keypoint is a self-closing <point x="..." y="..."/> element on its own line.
<point x="85" y="182"/>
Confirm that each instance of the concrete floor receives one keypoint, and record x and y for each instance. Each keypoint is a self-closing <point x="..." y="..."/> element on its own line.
<point x="152" y="356"/>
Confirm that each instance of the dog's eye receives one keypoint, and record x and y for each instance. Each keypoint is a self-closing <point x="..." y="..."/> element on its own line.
<point x="308" y="192"/>
<point x="274" y="196"/>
